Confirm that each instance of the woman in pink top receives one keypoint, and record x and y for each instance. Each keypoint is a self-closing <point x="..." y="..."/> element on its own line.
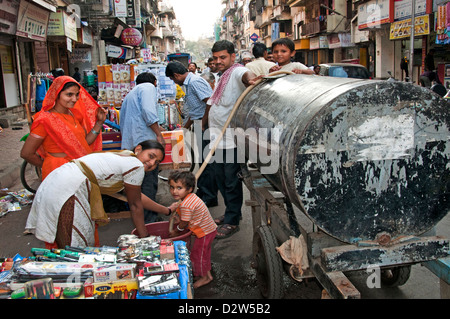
<point x="194" y="214"/>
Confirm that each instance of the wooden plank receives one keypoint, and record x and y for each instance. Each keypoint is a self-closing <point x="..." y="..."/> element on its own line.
<point x="351" y="257"/>
<point x="337" y="285"/>
<point x="440" y="267"/>
<point x="119" y="215"/>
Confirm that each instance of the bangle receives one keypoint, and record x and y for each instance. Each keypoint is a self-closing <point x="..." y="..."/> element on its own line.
<point x="170" y="211"/>
<point x="94" y="132"/>
<point x="178" y="227"/>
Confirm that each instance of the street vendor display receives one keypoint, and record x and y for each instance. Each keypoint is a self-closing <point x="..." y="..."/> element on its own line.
<point x="138" y="268"/>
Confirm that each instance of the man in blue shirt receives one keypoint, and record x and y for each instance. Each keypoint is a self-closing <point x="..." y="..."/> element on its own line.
<point x="138" y="123"/>
<point x="198" y="92"/>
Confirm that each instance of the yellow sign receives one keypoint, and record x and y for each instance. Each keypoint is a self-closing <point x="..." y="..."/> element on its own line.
<point x="402" y="29"/>
<point x="6" y="59"/>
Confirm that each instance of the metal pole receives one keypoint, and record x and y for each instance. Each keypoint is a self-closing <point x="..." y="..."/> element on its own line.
<point x="411" y="45"/>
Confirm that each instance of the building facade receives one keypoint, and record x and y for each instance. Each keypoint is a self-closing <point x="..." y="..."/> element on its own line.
<point x="37" y="36"/>
<point x="373" y="33"/>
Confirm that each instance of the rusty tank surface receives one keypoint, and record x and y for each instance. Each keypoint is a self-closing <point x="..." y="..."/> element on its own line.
<point x="363" y="159"/>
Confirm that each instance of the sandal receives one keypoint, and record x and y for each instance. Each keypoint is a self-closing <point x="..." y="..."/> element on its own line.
<point x="226" y="231"/>
<point x="219" y="220"/>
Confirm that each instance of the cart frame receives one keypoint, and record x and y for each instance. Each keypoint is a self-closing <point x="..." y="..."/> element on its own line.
<point x="274" y="221"/>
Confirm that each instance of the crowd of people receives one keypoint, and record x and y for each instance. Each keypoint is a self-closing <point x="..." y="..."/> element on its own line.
<point x="65" y="141"/>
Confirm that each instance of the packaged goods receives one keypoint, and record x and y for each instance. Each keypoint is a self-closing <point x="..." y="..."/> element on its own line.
<point x="114" y="272"/>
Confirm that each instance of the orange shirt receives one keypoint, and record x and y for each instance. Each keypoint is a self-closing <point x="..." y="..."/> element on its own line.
<point x="193" y="210"/>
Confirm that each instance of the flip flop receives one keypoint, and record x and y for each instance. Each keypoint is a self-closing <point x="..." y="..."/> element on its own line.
<point x="226" y="231"/>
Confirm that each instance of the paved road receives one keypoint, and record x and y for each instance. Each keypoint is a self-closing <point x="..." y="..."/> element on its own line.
<point x="234" y="278"/>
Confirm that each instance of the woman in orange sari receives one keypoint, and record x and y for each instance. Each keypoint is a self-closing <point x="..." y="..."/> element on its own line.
<point x="67" y="127"/>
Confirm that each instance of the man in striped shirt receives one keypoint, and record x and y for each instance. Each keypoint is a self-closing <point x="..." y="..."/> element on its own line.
<point x="194" y="215"/>
<point x="198" y="91"/>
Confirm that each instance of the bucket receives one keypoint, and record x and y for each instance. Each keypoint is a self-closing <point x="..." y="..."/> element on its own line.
<point x="162" y="229"/>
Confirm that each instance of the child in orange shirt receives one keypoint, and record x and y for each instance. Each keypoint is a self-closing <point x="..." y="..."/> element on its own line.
<point x="195" y="215"/>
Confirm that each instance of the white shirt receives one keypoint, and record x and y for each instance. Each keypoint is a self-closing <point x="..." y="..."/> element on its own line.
<point x="293" y="65"/>
<point x="218" y="113"/>
<point x="260" y="66"/>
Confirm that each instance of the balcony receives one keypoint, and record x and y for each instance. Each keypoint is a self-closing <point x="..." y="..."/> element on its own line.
<point x="313" y="28"/>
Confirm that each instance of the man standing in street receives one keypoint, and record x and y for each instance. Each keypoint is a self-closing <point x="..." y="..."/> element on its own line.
<point x="233" y="82"/>
<point x="260" y="66"/>
<point x="198" y="92"/>
<point x="138" y="123"/>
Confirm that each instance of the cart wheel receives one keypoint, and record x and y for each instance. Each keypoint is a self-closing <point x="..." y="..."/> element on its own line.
<point x="395" y="276"/>
<point x="267" y="262"/>
<point x="30" y="176"/>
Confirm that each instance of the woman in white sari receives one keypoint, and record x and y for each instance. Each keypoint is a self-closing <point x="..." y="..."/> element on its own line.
<point x="68" y="206"/>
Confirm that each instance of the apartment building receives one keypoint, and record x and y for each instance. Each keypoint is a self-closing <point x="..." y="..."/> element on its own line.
<point x="355" y="31"/>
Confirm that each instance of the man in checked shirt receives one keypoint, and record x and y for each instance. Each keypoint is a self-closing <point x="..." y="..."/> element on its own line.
<point x="198" y="91"/>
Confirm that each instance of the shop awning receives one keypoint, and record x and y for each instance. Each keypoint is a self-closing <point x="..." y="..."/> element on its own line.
<point x="45" y="5"/>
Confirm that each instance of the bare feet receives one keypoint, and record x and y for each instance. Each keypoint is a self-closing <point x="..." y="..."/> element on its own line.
<point x="203" y="280"/>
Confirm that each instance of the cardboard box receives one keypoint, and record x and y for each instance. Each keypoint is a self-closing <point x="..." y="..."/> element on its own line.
<point x="119" y="289"/>
<point x="114" y="272"/>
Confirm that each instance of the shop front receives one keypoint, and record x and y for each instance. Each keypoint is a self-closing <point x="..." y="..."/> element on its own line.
<point x="318" y="53"/>
<point x="81" y="55"/>
<point x="31" y="35"/>
<point x="9" y="88"/>
<point x="62" y="35"/>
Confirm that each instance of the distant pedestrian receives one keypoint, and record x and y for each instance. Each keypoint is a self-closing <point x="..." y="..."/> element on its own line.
<point x="260" y="66"/>
<point x="210" y="78"/>
<point x="316" y="69"/>
<point x="283" y="50"/>
<point x="246" y="58"/>
<point x="192" y="67"/>
<point x="194" y="215"/>
<point x="77" y="75"/>
<point x="270" y="56"/>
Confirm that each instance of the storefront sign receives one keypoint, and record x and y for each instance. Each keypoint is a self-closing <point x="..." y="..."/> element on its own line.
<point x="80" y="55"/>
<point x="131" y="36"/>
<point x="442" y="33"/>
<point x="8" y="16"/>
<point x="62" y="24"/>
<point x="6" y="59"/>
<point x="402" y="29"/>
<point x="120" y="8"/>
<point x="86" y="36"/>
<point x="133" y="17"/>
<point x="116" y="52"/>
<point x="373" y="13"/>
<point x="146" y="55"/>
<point x="339" y="40"/>
<point x="33" y="21"/>
<point x="402" y="9"/>
<point x="320" y="42"/>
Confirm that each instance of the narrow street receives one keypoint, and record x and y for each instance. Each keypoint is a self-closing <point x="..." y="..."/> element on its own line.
<point x="233" y="276"/>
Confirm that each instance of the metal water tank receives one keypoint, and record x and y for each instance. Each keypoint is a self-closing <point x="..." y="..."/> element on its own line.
<point x="360" y="158"/>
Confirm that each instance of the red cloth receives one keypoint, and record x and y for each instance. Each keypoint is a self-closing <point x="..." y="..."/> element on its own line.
<point x="223" y="81"/>
<point x="63" y="135"/>
<point x="201" y="254"/>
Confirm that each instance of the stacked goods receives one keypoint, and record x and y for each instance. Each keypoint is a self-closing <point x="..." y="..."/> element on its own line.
<point x="137" y="269"/>
<point x="160" y="275"/>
